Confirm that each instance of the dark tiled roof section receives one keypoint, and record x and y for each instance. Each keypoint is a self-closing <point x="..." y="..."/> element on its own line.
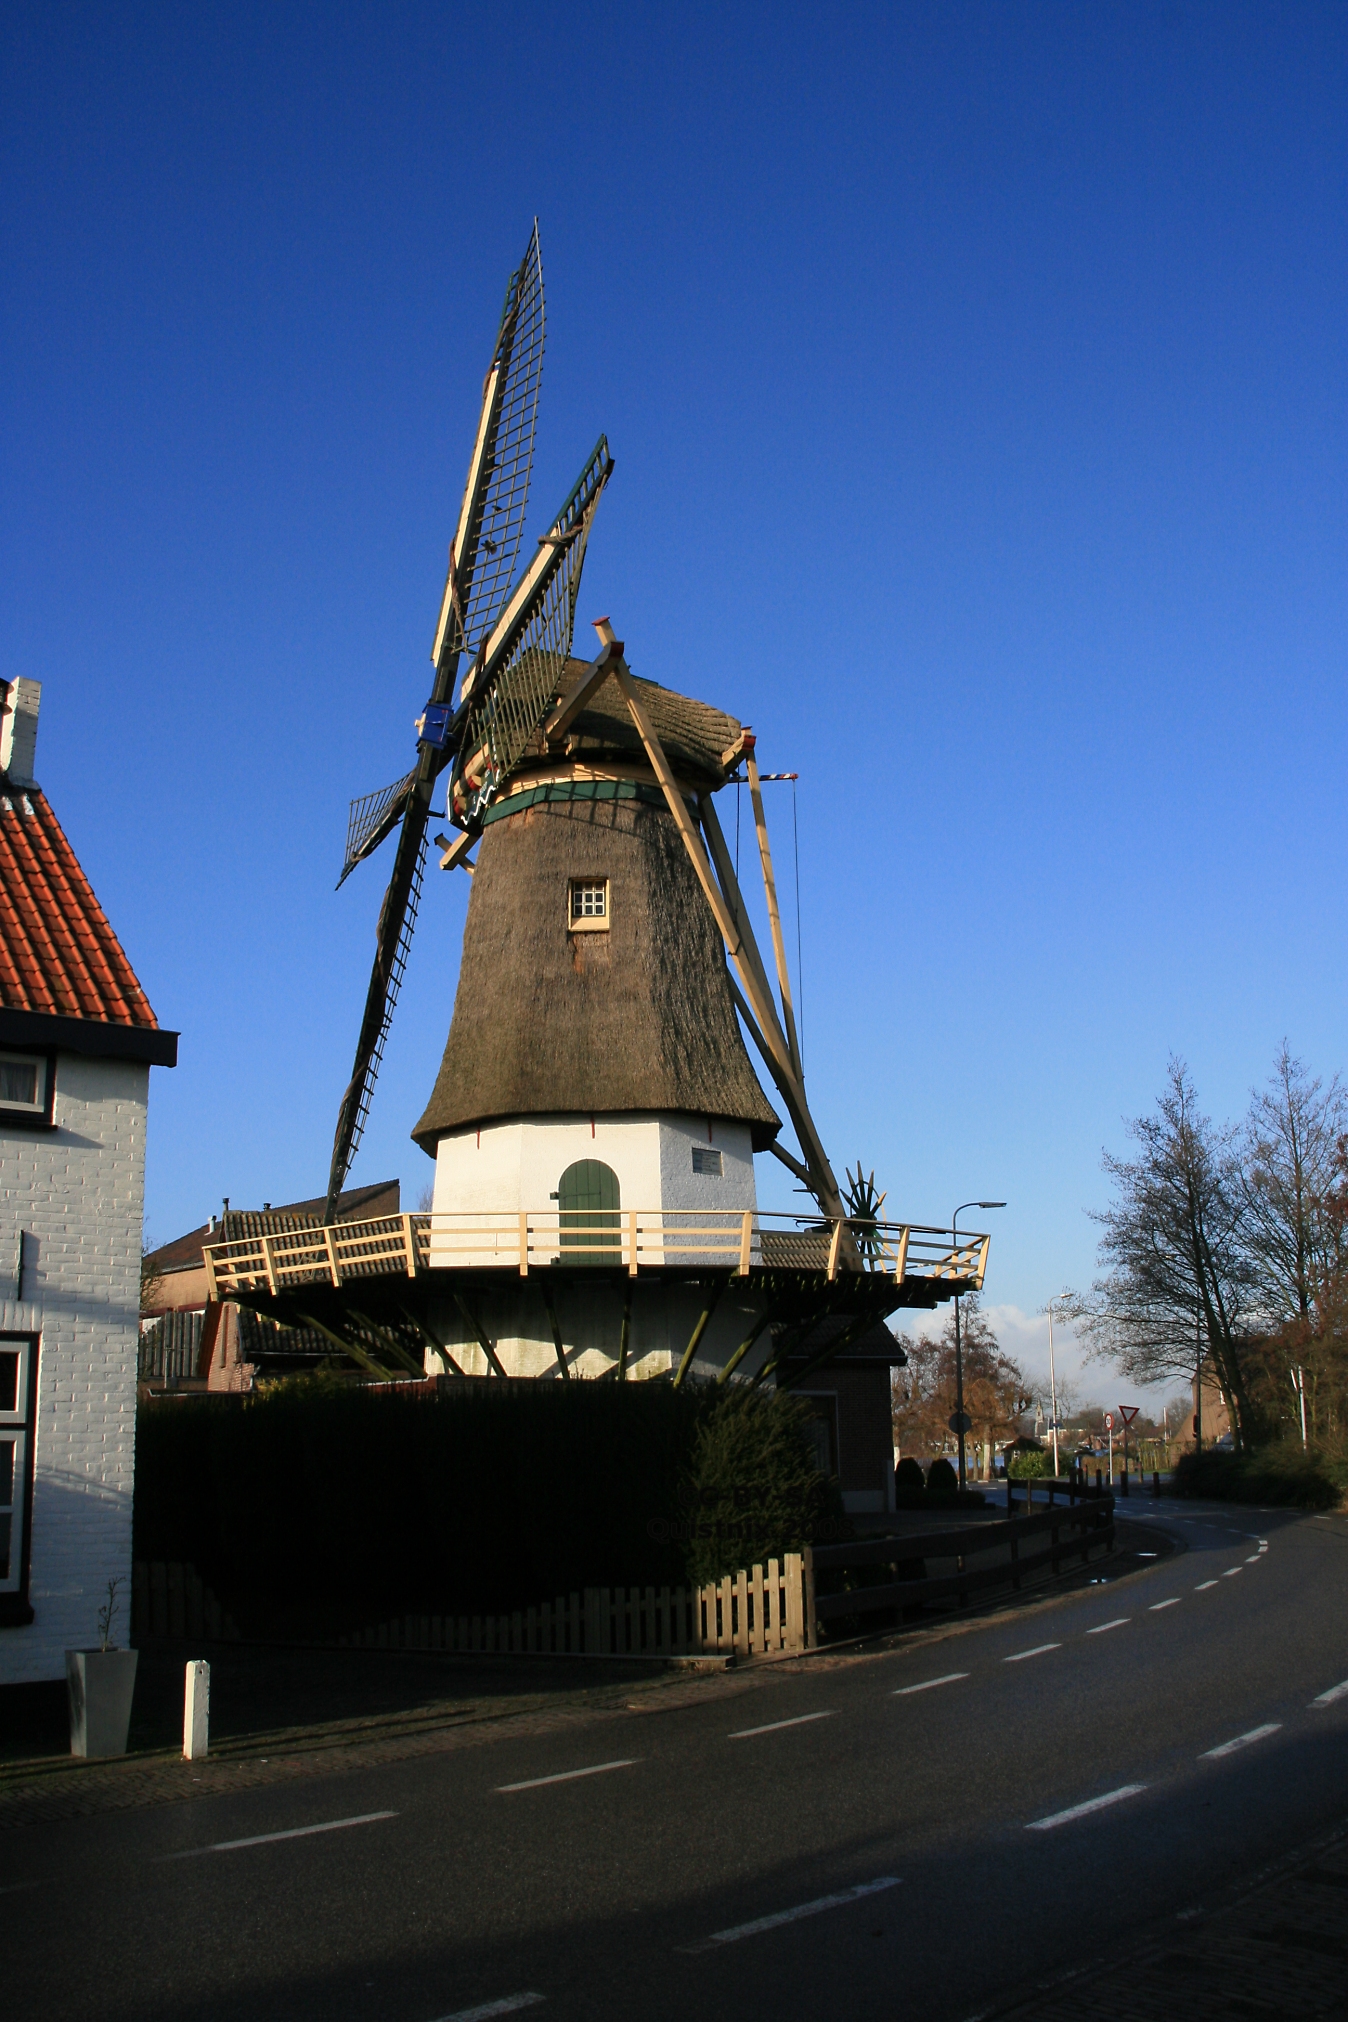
<point x="263" y="1340"/>
<point x="878" y="1343"/>
<point x="693" y="734"/>
<point x="58" y="955"/>
<point x="356" y="1204"/>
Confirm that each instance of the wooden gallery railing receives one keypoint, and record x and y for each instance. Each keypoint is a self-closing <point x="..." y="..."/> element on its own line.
<point x="738" y="1239"/>
<point x="1069" y="1530"/>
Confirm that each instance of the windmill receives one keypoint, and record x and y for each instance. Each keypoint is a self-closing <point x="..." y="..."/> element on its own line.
<point x="516" y="635"/>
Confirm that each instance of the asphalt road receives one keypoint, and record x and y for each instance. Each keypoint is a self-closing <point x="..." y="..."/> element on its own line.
<point x="921" y="1830"/>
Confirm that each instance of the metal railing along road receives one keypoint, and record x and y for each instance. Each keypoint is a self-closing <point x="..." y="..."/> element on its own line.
<point x="630" y="1239"/>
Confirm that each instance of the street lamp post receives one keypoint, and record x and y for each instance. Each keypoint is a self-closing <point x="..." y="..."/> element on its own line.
<point x="959" y="1358"/>
<point x="1053" y="1391"/>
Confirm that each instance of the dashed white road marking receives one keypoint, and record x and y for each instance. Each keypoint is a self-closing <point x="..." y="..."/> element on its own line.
<point x="1231" y="1572"/>
<point x="1241" y="1741"/>
<point x="1253" y="1559"/>
<point x="1117" y="1623"/>
<point x="1157" y="1606"/>
<point x="780" y="1917"/>
<point x="1019" y="1656"/>
<point x="774" y="1726"/>
<point x="510" y="2004"/>
<point x="1082" y="1810"/>
<point x="1203" y="1584"/>
<point x="267" y="1838"/>
<point x="569" y="1775"/>
<point x="1334" y="1692"/>
<point x="928" y="1684"/>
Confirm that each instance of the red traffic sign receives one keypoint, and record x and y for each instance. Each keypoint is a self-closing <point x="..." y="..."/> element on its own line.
<point x="1109" y="1421"/>
<point x="1128" y="1412"/>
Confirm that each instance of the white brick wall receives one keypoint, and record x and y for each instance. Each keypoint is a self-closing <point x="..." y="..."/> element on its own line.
<point x="80" y="1190"/>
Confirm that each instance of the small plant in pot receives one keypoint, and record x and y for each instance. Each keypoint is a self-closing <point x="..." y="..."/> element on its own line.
<point x="100" y="1684"/>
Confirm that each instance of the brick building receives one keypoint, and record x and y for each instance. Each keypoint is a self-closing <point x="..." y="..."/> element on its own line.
<point x="77" y="1041"/>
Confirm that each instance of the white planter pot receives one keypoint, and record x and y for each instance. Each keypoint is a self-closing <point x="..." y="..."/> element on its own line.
<point x="100" y="1684"/>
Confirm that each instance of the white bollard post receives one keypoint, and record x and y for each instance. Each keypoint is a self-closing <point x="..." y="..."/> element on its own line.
<point x="196" y="1711"/>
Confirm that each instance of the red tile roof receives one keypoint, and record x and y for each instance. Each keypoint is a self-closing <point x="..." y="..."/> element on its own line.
<point x="58" y="955"/>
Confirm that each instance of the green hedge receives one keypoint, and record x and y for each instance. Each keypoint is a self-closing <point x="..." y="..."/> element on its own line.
<point x="313" y="1508"/>
<point x="1271" y="1474"/>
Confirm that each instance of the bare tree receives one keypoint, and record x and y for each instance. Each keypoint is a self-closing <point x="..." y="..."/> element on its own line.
<point x="1292" y="1172"/>
<point x="1177" y="1284"/>
<point x="995" y="1392"/>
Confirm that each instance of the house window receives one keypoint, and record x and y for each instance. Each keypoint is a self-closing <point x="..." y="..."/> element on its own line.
<point x="820" y="1427"/>
<point x="706" y="1159"/>
<point x="18" y="1405"/>
<point x="25" y="1087"/>
<point x="588" y="1198"/>
<point x="587" y="906"/>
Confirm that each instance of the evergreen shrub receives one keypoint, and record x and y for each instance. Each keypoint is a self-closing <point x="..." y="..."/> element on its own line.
<point x="1283" y="1473"/>
<point x="312" y="1508"/>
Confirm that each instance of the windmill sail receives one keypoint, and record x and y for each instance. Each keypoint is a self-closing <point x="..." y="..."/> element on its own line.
<point x="373" y="817"/>
<point x="491" y="523"/>
<point x="521" y="664"/>
<point x="491" y="520"/>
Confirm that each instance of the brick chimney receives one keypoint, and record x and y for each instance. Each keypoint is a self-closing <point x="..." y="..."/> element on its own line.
<point x="19" y="701"/>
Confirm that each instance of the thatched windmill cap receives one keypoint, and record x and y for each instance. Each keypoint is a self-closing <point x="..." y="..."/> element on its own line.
<point x="636" y="1019"/>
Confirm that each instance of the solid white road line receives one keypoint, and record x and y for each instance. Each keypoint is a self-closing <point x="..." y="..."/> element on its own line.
<point x="928" y="1684"/>
<point x="1081" y="1810"/>
<point x="1241" y="1741"/>
<point x="1117" y="1623"/>
<point x="1334" y="1692"/>
<point x="1203" y="1585"/>
<point x="509" y="2005"/>
<point x="773" y="1726"/>
<point x="1173" y="1602"/>
<point x="266" y="1838"/>
<point x="569" y="1775"/>
<point x="780" y="1917"/>
<point x="1038" y="1651"/>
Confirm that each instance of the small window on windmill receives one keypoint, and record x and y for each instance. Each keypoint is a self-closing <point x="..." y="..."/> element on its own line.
<point x="707" y="1160"/>
<point x="587" y="906"/>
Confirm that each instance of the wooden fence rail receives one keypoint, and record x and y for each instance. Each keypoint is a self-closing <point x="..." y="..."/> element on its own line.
<point x="728" y="1238"/>
<point x="760" y="1611"/>
<point x="1085" y="1523"/>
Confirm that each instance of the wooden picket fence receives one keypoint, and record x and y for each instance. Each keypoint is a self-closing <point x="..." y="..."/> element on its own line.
<point x="760" y="1611"/>
<point x="756" y="1612"/>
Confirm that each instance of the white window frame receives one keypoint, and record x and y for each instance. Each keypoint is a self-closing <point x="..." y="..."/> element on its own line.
<point x="588" y="923"/>
<point x="16" y="1430"/>
<point x="33" y="1112"/>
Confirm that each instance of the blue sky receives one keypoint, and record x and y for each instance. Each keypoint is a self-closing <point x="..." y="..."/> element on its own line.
<point x="976" y="380"/>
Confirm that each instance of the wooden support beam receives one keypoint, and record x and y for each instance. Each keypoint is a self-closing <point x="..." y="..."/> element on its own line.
<point x="745" y="1345"/>
<point x="456" y="852"/>
<point x="358" y="1355"/>
<point x="725" y="872"/>
<point x="388" y="1342"/>
<point x="546" y="1290"/>
<point x="488" y="1347"/>
<point x="774" y="915"/>
<point x="713" y="1300"/>
<point x="591" y="681"/>
<point x="792" y="1164"/>
<point x="744" y="953"/>
<point x="439" y="1348"/>
<point x="626" y="1335"/>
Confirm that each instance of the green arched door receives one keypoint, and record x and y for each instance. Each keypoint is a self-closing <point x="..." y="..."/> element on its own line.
<point x="589" y="1200"/>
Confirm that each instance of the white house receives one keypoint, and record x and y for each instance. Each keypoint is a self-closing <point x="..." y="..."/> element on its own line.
<point x="77" y="1041"/>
